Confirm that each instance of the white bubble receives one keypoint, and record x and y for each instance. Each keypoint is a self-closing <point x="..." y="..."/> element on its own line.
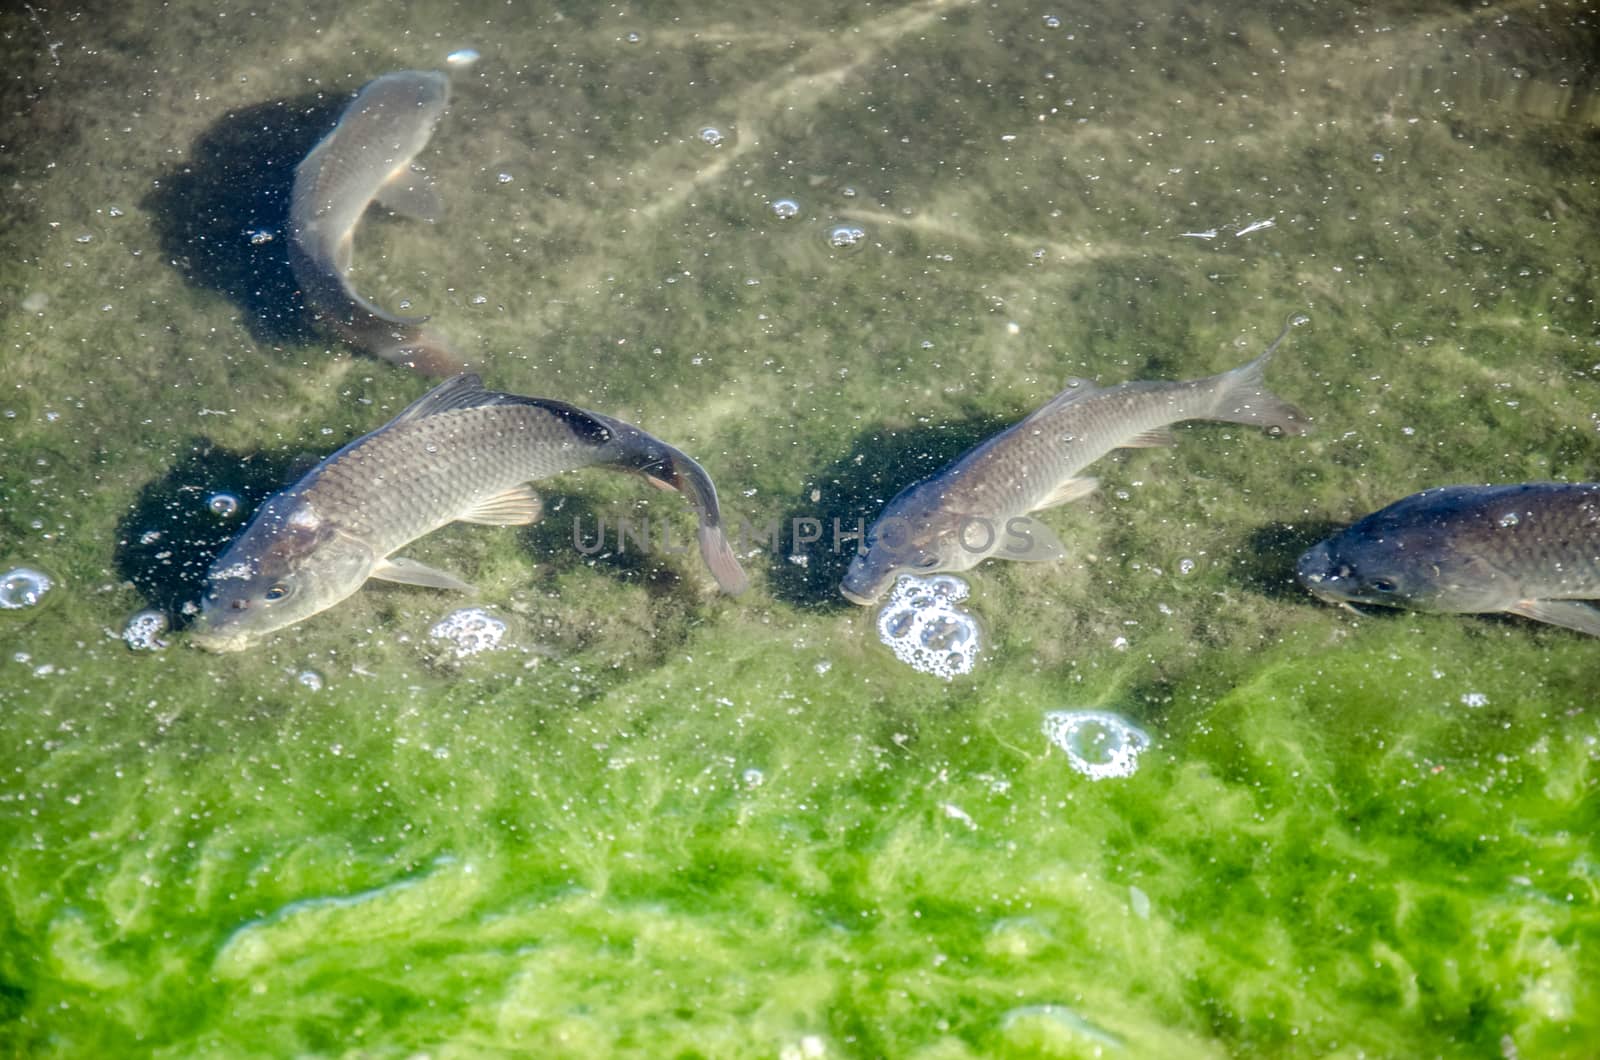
<point x="1098" y="743"/>
<point x="462" y="57"/>
<point x="144" y="629"/>
<point x="224" y="504"/>
<point x="503" y="178"/>
<point x="1507" y="520"/>
<point x="22" y="587"/>
<point x="847" y="237"/>
<point x="753" y="778"/>
<point x="311" y="679"/>
<point x="1052" y="22"/>
<point x="785" y="208"/>
<point x="469" y="631"/>
<point x="260" y="236"/>
<point x="922" y="626"/>
<point x="711" y="136"/>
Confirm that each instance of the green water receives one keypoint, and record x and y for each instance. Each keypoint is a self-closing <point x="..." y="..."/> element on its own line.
<point x="660" y="822"/>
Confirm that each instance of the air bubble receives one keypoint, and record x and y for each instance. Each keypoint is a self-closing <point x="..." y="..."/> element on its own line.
<point x="1507" y="520"/>
<point x="785" y="208"/>
<point x="1098" y="743"/>
<point x="225" y="505"/>
<point x="480" y="299"/>
<point x="23" y="587"/>
<point x="922" y="626"/>
<point x="711" y="136"/>
<point x="503" y="178"/>
<point x="469" y="631"/>
<point x="311" y="679"/>
<point x="633" y="37"/>
<point x="143" y="631"/>
<point x="1377" y="156"/>
<point x="1052" y="22"/>
<point x="260" y="236"/>
<point x="847" y="237"/>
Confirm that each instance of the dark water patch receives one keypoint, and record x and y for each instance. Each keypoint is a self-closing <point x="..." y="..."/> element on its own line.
<point x="178" y="526"/>
<point x="850" y="493"/>
<point x="222" y="216"/>
<point x="575" y="532"/>
<point x="1266" y="563"/>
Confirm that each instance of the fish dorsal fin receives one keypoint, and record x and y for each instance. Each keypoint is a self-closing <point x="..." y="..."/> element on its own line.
<point x="1076" y="390"/>
<point x="517" y="506"/>
<point x="464" y="391"/>
<point x="410" y="194"/>
<point x="410" y="572"/>
<point x="1028" y="540"/>
<point x="1070" y="490"/>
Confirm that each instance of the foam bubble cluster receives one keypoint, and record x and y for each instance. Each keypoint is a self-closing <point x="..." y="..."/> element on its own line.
<point x="144" y="629"/>
<point x="22" y="587"/>
<point x="1098" y="743"/>
<point x="925" y="629"/>
<point x="469" y="631"/>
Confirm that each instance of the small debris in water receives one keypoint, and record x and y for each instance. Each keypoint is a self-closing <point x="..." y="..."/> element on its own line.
<point x="462" y="57"/>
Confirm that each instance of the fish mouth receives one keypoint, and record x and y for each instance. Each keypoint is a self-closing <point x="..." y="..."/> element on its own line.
<point x="220" y="643"/>
<point x="864" y="600"/>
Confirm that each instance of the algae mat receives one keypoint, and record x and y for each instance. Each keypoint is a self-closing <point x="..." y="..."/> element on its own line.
<point x="822" y="250"/>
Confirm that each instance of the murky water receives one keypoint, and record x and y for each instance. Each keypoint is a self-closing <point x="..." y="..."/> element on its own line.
<point x="1152" y="799"/>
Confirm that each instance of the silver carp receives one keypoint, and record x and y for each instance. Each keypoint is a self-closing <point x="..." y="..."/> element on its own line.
<point x="1531" y="549"/>
<point x="460" y="452"/>
<point x="978" y="507"/>
<point x="368" y="157"/>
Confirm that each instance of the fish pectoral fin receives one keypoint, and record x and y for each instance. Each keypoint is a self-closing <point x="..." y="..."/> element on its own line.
<point x="1155" y="438"/>
<point x="410" y="194"/>
<point x="660" y="483"/>
<point x="410" y="572"/>
<point x="1571" y="614"/>
<point x="1029" y="541"/>
<point x="517" y="506"/>
<point x="1070" y="490"/>
<point x="344" y="252"/>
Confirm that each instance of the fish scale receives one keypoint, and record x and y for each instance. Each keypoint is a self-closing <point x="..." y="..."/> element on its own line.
<point x="977" y="507"/>
<point x="460" y="452"/>
<point x="1529" y="549"/>
<point x="391" y="487"/>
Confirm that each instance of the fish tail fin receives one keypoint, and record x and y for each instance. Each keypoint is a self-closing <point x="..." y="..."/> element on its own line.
<point x="676" y="470"/>
<point x="1243" y="397"/>
<point x="425" y="352"/>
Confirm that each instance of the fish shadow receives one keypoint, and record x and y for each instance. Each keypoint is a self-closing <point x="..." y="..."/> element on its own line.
<point x="567" y="537"/>
<point x="168" y="540"/>
<point x="221" y="217"/>
<point x="879" y="464"/>
<point x="1272" y="550"/>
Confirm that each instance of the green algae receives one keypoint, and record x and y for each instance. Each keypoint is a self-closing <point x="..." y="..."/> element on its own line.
<point x="661" y="822"/>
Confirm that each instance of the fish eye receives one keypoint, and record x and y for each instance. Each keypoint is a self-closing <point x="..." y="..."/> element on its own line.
<point x="927" y="563"/>
<point x="1384" y="585"/>
<point x="277" y="592"/>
